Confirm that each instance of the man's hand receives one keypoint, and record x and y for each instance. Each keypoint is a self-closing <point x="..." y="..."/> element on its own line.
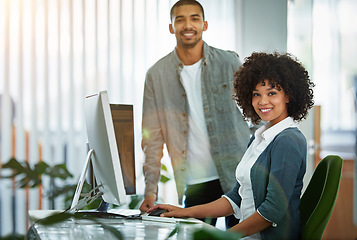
<point x="148" y="203"/>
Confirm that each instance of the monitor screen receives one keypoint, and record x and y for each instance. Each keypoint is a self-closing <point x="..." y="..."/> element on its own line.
<point x="124" y="133"/>
<point x="106" y="164"/>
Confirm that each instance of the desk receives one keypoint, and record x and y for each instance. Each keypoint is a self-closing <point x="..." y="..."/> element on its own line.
<point x="129" y="228"/>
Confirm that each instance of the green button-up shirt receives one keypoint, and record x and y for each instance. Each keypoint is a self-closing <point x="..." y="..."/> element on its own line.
<point x="165" y="118"/>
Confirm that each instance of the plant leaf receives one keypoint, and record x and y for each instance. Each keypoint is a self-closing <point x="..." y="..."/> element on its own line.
<point x="163" y="167"/>
<point x="55" y="218"/>
<point x="114" y="231"/>
<point x="15" y="166"/>
<point x="135" y="200"/>
<point x="215" y="234"/>
<point x="173" y="232"/>
<point x="41" y="167"/>
<point x="57" y="191"/>
<point x="164" y="179"/>
<point x="59" y="171"/>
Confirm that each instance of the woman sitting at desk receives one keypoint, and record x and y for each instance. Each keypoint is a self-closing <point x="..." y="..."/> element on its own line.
<point x="274" y="88"/>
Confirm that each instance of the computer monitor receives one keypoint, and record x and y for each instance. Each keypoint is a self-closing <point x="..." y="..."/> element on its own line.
<point x="103" y="153"/>
<point x="123" y="120"/>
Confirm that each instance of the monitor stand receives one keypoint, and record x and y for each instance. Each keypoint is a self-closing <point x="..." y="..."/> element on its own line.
<point x="79" y="204"/>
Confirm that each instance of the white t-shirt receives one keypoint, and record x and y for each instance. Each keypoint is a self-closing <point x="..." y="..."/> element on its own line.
<point x="200" y="166"/>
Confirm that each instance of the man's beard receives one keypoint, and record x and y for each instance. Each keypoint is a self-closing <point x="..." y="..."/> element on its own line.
<point x="190" y="45"/>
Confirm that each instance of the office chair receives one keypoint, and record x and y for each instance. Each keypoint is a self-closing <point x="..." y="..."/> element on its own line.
<point x="318" y="200"/>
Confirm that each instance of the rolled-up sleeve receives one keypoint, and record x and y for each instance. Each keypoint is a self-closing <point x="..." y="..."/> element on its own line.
<point x="234" y="199"/>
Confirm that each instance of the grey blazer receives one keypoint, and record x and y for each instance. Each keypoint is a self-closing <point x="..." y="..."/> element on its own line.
<point x="277" y="180"/>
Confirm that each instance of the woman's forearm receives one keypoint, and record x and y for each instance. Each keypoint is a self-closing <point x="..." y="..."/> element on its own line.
<point x="253" y="224"/>
<point x="218" y="208"/>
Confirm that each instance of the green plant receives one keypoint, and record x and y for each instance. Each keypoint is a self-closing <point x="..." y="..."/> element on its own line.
<point x="63" y="216"/>
<point x="164" y="177"/>
<point x="59" y="185"/>
<point x="27" y="176"/>
<point x="206" y="233"/>
<point x="32" y="177"/>
<point x="215" y="234"/>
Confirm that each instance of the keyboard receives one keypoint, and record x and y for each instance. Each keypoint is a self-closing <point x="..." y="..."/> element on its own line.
<point x="171" y="219"/>
<point x="133" y="213"/>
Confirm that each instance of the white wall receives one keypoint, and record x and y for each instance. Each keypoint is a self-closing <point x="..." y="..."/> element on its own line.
<point x="262" y="26"/>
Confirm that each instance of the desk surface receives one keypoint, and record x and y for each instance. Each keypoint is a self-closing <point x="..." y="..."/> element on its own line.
<point x="129" y="228"/>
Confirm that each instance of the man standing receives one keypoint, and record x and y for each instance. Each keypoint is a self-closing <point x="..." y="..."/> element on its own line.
<point x="188" y="106"/>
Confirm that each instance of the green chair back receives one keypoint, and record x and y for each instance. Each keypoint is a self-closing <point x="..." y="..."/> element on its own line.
<point x="318" y="200"/>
